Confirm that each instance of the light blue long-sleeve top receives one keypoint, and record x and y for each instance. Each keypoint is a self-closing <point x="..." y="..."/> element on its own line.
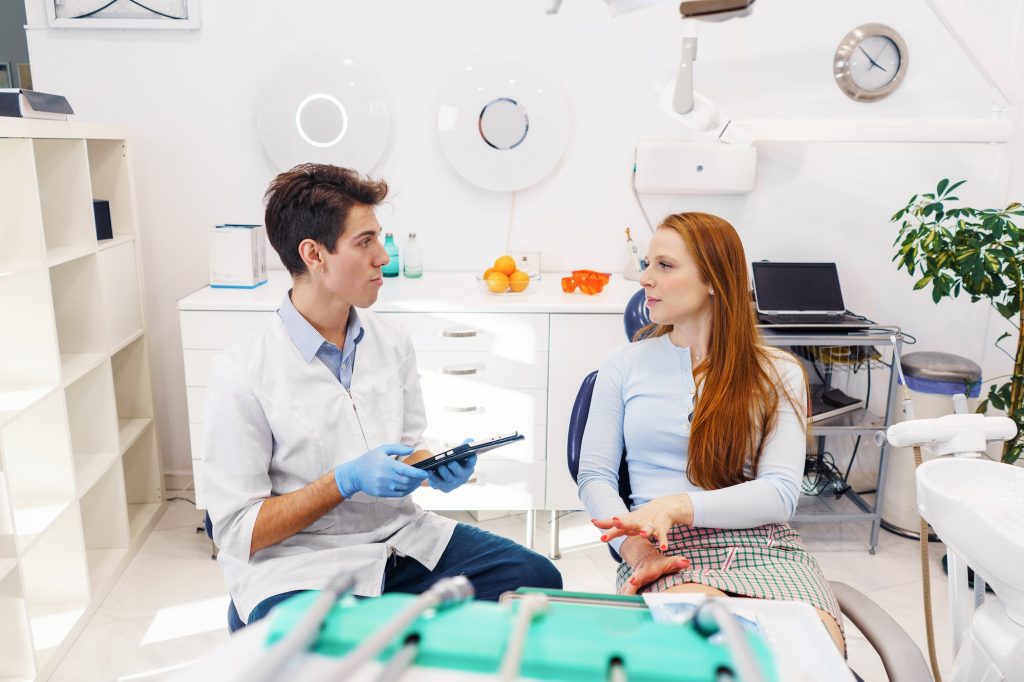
<point x="642" y="400"/>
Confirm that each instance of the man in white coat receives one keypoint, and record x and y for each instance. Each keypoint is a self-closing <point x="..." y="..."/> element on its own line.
<point x="305" y="418"/>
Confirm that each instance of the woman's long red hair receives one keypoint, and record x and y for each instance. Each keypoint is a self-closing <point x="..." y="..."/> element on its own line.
<point x="737" y="406"/>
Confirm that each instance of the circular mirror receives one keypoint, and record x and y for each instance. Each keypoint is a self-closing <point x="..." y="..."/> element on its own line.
<point x="324" y="109"/>
<point x="321" y="120"/>
<point x="503" y="123"/>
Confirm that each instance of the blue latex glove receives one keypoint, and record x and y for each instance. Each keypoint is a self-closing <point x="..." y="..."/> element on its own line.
<point x="377" y="473"/>
<point x="448" y="477"/>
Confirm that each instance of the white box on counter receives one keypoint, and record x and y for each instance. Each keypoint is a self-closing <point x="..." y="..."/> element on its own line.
<point x="238" y="258"/>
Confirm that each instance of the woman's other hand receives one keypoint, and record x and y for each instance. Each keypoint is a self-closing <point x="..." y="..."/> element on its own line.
<point x="648" y="563"/>
<point x="652" y="520"/>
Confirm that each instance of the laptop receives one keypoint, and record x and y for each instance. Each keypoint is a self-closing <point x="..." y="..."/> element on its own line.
<point x="801" y="295"/>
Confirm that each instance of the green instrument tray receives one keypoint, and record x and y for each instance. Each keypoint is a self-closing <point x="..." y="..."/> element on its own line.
<point x="568" y="642"/>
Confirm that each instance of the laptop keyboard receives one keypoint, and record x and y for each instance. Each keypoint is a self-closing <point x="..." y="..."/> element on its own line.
<point x="804" y="319"/>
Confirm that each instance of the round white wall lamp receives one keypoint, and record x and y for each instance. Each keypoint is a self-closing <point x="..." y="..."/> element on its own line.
<point x="324" y="110"/>
<point x="503" y="123"/>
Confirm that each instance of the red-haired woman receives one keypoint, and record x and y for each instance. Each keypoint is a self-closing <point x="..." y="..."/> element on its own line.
<point x="714" y="425"/>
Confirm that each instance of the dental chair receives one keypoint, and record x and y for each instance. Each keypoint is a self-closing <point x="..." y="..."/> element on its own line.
<point x="901" y="657"/>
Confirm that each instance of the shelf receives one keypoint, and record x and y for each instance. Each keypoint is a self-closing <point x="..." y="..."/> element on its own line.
<point x="11" y="269"/>
<point x="89" y="469"/>
<point x="857" y="422"/>
<point x="104" y="567"/>
<point x="30" y="357"/>
<point x="51" y="624"/>
<point x="92" y="420"/>
<point x="74" y="367"/>
<point x="131" y="381"/>
<point x="6" y="566"/>
<point x="127" y="342"/>
<point x="119" y="288"/>
<point x="129" y="430"/>
<point x="14" y="401"/>
<point x="16" y="654"/>
<point x="140" y="516"/>
<point x="65" y="197"/>
<point x="65" y="254"/>
<point x="77" y="307"/>
<point x="111" y="180"/>
<point x="117" y="240"/>
<point x="32" y="518"/>
<point x="21" y="230"/>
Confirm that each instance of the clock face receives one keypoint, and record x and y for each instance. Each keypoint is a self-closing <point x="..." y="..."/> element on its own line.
<point x="874" y="63"/>
<point x="870" y="62"/>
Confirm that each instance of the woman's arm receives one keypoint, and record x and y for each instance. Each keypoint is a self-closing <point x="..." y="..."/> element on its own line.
<point x="601" y="450"/>
<point x="771" y="497"/>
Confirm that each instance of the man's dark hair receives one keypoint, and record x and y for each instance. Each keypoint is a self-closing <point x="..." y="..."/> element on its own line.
<point x="312" y="201"/>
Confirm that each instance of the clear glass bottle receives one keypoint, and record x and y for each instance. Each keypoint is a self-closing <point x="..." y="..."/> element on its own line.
<point x="391" y="269"/>
<point x="412" y="264"/>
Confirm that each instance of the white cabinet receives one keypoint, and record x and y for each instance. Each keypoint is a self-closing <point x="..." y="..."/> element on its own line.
<point x="80" y="482"/>
<point x="488" y="364"/>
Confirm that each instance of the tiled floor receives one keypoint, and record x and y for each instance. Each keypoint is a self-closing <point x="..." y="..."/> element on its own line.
<point x="168" y="608"/>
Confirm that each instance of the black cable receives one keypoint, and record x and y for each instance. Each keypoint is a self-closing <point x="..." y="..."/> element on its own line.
<point x="172" y="499"/>
<point x="853" y="456"/>
<point x="134" y="2"/>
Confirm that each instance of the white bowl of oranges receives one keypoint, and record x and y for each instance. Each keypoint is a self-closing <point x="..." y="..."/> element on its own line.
<point x="504" y="278"/>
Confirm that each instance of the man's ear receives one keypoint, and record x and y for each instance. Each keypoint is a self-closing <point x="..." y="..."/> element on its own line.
<point x="309" y="252"/>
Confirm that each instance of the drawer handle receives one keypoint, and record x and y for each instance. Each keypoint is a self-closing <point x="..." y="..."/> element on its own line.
<point x="463" y="370"/>
<point x="470" y="408"/>
<point x="458" y="333"/>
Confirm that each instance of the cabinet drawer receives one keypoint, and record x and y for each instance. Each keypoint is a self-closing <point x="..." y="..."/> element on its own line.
<point x="513" y="336"/>
<point x="492" y="409"/>
<point x="216" y="330"/>
<point x="495" y="485"/>
<point x="197" y="366"/>
<point x="465" y="368"/>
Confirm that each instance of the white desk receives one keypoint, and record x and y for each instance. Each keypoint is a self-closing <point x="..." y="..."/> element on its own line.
<point x="489" y="363"/>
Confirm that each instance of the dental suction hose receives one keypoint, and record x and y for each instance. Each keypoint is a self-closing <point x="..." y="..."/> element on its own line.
<point x="302" y="636"/>
<point x="712" y="617"/>
<point x="445" y="592"/>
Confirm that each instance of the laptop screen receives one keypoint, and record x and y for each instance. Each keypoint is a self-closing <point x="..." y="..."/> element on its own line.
<point x="797" y="287"/>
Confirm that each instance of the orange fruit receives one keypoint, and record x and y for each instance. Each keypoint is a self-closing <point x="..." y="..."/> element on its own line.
<point x="505" y="265"/>
<point x="518" y="281"/>
<point x="497" y="282"/>
<point x="487" y="273"/>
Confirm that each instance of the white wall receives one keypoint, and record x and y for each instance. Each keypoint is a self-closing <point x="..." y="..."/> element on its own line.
<point x="190" y="100"/>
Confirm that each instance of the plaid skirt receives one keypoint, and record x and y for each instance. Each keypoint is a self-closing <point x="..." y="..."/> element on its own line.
<point x="767" y="562"/>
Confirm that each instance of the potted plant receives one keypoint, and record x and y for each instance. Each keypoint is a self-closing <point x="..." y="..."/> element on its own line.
<point x="979" y="252"/>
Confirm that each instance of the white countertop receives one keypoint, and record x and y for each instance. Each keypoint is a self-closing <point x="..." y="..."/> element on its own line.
<point x="434" y="292"/>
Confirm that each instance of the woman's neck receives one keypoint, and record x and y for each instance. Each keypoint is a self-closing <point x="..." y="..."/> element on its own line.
<point x="693" y="333"/>
<point x="326" y="312"/>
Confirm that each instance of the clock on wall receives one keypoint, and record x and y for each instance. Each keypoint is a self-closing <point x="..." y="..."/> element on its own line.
<point x="870" y="62"/>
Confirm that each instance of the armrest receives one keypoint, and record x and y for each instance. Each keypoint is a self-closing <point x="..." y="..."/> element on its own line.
<point x="901" y="657"/>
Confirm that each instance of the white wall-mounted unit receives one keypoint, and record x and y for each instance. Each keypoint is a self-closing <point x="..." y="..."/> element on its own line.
<point x="679" y="167"/>
<point x="80" y="482"/>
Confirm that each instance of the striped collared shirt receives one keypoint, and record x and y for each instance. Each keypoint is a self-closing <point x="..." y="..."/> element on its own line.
<point x="341" y="361"/>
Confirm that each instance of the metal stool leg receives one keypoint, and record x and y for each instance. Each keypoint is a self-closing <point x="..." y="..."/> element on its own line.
<point x="531" y="521"/>
<point x="553" y="551"/>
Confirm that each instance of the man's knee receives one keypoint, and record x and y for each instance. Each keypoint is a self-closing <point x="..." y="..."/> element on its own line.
<point x="538" y="571"/>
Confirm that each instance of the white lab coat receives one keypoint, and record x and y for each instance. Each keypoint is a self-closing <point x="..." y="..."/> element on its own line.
<point x="274" y="423"/>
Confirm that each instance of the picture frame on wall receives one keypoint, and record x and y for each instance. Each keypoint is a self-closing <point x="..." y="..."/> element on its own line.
<point x="5" y="75"/>
<point x="124" y="14"/>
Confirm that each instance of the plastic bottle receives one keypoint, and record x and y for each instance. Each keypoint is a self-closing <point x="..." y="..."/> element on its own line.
<point x="391" y="269"/>
<point x="632" y="269"/>
<point x="412" y="265"/>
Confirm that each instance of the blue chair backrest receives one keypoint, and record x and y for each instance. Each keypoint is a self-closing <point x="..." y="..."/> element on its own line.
<point x="235" y="621"/>
<point x="635" y="317"/>
<point x="577" y="425"/>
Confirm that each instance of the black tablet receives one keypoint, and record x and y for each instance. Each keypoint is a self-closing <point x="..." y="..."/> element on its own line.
<point x="461" y="452"/>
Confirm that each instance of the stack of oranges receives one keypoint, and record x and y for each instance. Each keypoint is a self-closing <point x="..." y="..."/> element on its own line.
<point x="505" y="277"/>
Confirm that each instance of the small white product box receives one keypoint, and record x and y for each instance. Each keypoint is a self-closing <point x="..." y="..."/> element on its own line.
<point x="238" y="258"/>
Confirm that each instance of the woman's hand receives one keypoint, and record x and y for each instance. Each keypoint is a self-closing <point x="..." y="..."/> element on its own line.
<point x="652" y="519"/>
<point x="648" y="563"/>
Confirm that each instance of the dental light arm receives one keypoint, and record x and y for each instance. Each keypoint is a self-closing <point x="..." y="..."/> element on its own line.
<point x="960" y="434"/>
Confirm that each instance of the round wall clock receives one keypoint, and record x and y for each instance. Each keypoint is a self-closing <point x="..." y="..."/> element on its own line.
<point x="870" y="62"/>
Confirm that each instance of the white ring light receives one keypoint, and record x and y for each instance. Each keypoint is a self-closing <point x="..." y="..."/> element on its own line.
<point x="503" y="122"/>
<point x="328" y="98"/>
<point x="293" y="129"/>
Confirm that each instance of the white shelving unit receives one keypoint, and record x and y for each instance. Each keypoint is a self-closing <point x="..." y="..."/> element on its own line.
<point x="80" y="479"/>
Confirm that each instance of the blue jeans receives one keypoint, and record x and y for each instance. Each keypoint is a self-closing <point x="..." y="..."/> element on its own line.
<point x="492" y="563"/>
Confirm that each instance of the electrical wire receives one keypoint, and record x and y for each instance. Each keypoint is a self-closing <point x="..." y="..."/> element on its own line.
<point x="636" y="195"/>
<point x="134" y="2"/>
